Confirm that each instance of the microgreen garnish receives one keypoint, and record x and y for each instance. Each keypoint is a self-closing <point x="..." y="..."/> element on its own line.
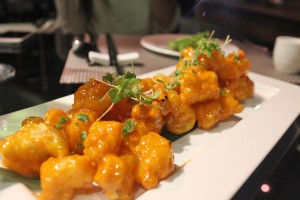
<point x="202" y="43"/>
<point x="190" y="41"/>
<point x="174" y="83"/>
<point x="237" y="59"/>
<point x="128" y="127"/>
<point x="204" y="46"/>
<point x="83" y="117"/>
<point x="128" y="86"/>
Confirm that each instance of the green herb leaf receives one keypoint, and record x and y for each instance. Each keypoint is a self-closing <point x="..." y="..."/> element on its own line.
<point x="155" y="95"/>
<point x="83" y="135"/>
<point x="63" y="120"/>
<point x="130" y="75"/>
<point x="127" y="86"/>
<point x="129" y="127"/>
<point x="108" y="78"/>
<point x="114" y="94"/>
<point x="190" y="41"/>
<point x="83" y="117"/>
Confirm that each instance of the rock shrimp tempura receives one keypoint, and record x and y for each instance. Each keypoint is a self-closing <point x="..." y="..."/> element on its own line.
<point x="111" y="138"/>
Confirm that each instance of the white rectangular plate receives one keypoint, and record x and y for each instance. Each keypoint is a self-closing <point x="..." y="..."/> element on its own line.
<point x="214" y="163"/>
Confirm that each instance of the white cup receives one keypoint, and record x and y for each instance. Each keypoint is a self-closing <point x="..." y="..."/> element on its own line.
<point x="286" y="54"/>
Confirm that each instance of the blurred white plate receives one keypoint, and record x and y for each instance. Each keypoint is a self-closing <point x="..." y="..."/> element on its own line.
<point x="216" y="162"/>
<point x="6" y="72"/>
<point x="158" y="43"/>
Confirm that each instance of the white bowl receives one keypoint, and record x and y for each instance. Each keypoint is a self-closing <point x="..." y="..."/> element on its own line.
<point x="286" y="54"/>
<point x="287" y="66"/>
<point x="287" y="46"/>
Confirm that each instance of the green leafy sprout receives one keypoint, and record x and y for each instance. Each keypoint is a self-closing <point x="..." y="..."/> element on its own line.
<point x="128" y="127"/>
<point x="174" y="83"/>
<point x="202" y="43"/>
<point x="83" y="117"/>
<point x="62" y="120"/>
<point x="189" y="41"/>
<point x="127" y="86"/>
<point x="205" y="45"/>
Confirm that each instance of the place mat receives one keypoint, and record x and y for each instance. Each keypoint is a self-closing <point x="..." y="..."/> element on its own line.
<point x="77" y="70"/>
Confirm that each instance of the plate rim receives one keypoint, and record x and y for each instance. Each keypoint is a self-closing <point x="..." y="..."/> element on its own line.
<point x="165" y="51"/>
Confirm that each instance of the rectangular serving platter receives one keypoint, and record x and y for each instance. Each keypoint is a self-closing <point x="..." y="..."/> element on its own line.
<point x="211" y="164"/>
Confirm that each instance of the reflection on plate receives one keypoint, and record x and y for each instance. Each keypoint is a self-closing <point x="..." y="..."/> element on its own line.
<point x="158" y="44"/>
<point x="214" y="163"/>
<point x="8" y="128"/>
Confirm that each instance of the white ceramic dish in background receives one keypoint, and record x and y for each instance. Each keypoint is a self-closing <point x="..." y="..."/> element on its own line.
<point x="6" y="72"/>
<point x="286" y="54"/>
<point x="219" y="161"/>
<point x="158" y="43"/>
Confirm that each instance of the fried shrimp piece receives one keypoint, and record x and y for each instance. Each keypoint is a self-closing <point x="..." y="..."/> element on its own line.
<point x="25" y="151"/>
<point x="141" y="128"/>
<point x="92" y="95"/>
<point x="56" y="118"/>
<point x="186" y="57"/>
<point x="104" y="137"/>
<point x="146" y="118"/>
<point x="181" y="119"/>
<point x="198" y="85"/>
<point x="115" y="175"/>
<point x="152" y="113"/>
<point x="241" y="88"/>
<point x="208" y="114"/>
<point x="230" y="67"/>
<point x="77" y="129"/>
<point x="230" y="106"/>
<point x="156" y="160"/>
<point x="61" y="176"/>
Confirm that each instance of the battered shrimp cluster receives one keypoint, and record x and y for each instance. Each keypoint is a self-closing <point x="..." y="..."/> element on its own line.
<point x="110" y="138"/>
